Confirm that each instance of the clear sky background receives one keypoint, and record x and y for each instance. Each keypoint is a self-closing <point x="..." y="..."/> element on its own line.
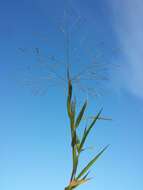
<point x="34" y="132"/>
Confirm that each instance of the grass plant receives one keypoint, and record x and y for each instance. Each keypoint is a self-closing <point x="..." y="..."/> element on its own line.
<point x="77" y="144"/>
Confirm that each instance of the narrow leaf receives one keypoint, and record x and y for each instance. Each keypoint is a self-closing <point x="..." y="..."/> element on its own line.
<point x="86" y="131"/>
<point x="78" y="120"/>
<point x="91" y="163"/>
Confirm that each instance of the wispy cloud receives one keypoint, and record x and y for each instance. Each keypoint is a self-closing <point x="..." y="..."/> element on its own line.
<point x="128" y="22"/>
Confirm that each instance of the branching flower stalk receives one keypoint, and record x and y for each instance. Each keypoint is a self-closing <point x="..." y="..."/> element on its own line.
<point x="77" y="144"/>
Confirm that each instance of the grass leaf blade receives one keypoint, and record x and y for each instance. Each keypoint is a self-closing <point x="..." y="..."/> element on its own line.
<point x="81" y="113"/>
<point x="91" y="163"/>
<point x="86" y="132"/>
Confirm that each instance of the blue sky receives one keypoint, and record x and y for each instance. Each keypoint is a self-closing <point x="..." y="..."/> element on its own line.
<point x="34" y="132"/>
